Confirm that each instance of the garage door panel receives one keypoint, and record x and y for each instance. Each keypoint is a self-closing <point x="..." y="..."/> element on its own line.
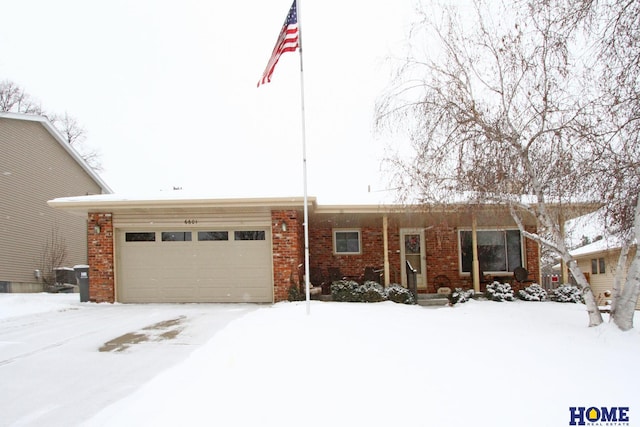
<point x="195" y="271"/>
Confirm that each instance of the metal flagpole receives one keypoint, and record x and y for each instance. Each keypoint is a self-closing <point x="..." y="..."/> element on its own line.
<point x="304" y="166"/>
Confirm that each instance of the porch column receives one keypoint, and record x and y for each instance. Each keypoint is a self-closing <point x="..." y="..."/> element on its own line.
<point x="475" y="264"/>
<point x="385" y="245"/>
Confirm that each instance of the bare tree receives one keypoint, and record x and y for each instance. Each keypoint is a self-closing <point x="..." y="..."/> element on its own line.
<point x="53" y="255"/>
<point x="614" y="29"/>
<point x="14" y="99"/>
<point x="76" y="135"/>
<point x="501" y="110"/>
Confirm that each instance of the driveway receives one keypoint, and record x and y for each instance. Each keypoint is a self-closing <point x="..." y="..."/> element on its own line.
<point x="59" y="368"/>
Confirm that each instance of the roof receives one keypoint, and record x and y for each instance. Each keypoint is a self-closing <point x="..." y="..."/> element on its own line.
<point x="81" y="205"/>
<point x="599" y="246"/>
<point x="490" y="213"/>
<point x="63" y="143"/>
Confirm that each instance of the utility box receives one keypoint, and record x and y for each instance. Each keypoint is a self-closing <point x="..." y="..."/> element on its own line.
<point x="82" y="278"/>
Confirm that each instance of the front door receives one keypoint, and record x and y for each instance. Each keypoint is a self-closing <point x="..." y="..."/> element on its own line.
<point x="412" y="250"/>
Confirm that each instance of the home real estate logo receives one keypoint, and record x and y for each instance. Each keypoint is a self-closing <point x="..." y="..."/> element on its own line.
<point x="602" y="416"/>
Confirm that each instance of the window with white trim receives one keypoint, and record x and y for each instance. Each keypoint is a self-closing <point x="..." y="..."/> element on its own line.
<point x="346" y="242"/>
<point x="598" y="266"/>
<point x="499" y="251"/>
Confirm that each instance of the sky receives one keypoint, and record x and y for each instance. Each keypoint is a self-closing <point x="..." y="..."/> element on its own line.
<point x="167" y="90"/>
<point x="379" y="364"/>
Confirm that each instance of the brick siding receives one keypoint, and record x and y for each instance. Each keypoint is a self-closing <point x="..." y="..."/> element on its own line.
<point x="101" y="260"/>
<point x="441" y="250"/>
<point x="288" y="252"/>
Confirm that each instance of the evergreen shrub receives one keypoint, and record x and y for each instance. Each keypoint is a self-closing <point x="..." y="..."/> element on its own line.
<point x="500" y="292"/>
<point x="295" y="294"/>
<point x="534" y="292"/>
<point x="351" y="291"/>
<point x="460" y="295"/>
<point x="567" y="293"/>
<point x="399" y="294"/>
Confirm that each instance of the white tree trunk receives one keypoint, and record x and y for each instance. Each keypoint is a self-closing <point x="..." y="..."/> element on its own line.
<point x="595" y="317"/>
<point x="558" y="245"/>
<point x="618" y="279"/>
<point x="625" y="304"/>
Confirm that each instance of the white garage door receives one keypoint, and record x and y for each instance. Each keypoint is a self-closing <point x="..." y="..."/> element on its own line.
<point x="211" y="265"/>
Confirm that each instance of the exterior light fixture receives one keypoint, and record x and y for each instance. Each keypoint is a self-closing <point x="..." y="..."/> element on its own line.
<point x="96" y="229"/>
<point x="284" y="226"/>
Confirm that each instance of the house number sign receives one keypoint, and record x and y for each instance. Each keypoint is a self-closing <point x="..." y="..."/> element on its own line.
<point x="190" y="221"/>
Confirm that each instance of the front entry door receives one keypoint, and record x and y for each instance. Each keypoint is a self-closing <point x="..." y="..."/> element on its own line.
<point x="412" y="250"/>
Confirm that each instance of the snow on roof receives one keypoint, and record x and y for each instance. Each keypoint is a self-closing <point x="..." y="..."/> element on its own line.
<point x="602" y="245"/>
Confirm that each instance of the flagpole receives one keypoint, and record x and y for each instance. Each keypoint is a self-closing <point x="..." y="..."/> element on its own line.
<point x="304" y="165"/>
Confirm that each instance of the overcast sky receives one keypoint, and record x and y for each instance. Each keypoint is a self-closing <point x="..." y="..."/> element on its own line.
<point x="167" y="90"/>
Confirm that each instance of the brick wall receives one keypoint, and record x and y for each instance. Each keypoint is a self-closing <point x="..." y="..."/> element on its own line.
<point x="101" y="260"/>
<point x="321" y="251"/>
<point x="443" y="258"/>
<point x="441" y="249"/>
<point x="288" y="252"/>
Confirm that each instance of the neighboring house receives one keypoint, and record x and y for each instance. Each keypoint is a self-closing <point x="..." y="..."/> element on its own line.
<point x="176" y="248"/>
<point x="36" y="165"/>
<point x="598" y="261"/>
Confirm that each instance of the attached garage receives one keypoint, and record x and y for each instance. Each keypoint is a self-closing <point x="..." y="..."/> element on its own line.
<point x="214" y="264"/>
<point x="179" y="248"/>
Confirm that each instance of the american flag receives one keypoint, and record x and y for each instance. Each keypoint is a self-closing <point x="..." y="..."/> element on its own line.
<point x="287" y="42"/>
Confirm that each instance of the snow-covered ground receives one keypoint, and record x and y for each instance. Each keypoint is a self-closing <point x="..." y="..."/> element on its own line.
<point x="384" y="364"/>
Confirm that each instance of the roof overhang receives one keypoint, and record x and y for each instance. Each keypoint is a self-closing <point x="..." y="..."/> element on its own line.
<point x="114" y="204"/>
<point x="458" y="214"/>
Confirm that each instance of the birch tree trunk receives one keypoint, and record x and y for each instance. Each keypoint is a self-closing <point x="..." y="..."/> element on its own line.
<point x="625" y="304"/>
<point x="618" y="279"/>
<point x="595" y="317"/>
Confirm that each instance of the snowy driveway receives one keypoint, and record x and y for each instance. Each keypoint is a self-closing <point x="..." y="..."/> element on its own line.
<point x="91" y="355"/>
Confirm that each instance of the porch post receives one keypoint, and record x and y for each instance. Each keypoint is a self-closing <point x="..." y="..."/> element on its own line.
<point x="475" y="264"/>
<point x="385" y="245"/>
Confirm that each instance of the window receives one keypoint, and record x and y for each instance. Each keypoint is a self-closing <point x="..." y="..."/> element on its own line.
<point x="176" y="236"/>
<point x="346" y="241"/>
<point x="498" y="250"/>
<point x="249" y="235"/>
<point x="598" y="266"/>
<point x="212" y="235"/>
<point x="601" y="265"/>
<point x="140" y="237"/>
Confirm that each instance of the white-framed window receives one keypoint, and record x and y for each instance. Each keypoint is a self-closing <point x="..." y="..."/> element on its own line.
<point x="499" y="251"/>
<point x="598" y="266"/>
<point x="347" y="241"/>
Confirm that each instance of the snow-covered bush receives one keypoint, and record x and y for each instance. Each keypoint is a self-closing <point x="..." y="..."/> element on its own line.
<point x="350" y="291"/>
<point x="371" y="292"/>
<point x="399" y="294"/>
<point x="460" y="295"/>
<point x="534" y="292"/>
<point x="567" y="293"/>
<point x="345" y="291"/>
<point x="497" y="291"/>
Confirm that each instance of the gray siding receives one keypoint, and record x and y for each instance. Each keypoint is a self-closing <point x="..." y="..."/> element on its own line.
<point x="34" y="168"/>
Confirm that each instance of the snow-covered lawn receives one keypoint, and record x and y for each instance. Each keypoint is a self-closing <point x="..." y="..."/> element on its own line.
<point x="384" y="364"/>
